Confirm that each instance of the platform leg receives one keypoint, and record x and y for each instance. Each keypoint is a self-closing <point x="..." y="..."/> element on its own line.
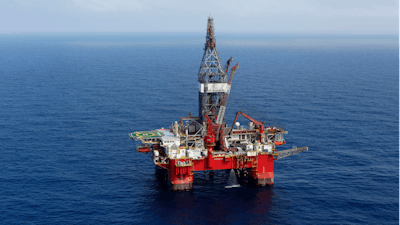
<point x="162" y="177"/>
<point x="180" y="178"/>
<point x="263" y="173"/>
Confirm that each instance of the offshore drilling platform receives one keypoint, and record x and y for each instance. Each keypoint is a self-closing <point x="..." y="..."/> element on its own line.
<point x="205" y="142"/>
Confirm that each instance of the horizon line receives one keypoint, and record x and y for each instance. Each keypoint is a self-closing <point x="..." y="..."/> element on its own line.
<point x="219" y="32"/>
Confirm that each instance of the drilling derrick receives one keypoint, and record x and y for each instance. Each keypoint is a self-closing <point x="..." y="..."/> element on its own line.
<point x="212" y="78"/>
<point x="205" y="142"/>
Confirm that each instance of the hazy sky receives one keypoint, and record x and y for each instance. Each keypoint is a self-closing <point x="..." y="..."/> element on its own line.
<point x="261" y="16"/>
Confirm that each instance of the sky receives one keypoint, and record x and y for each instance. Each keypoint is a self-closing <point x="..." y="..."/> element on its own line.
<point x="257" y="16"/>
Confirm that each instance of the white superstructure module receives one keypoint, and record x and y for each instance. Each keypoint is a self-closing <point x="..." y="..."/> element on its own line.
<point x="185" y="139"/>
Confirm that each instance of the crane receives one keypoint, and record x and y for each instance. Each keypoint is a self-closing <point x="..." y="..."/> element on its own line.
<point x="261" y="124"/>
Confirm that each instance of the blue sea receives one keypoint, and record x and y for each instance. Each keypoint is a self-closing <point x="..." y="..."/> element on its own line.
<point x="69" y="100"/>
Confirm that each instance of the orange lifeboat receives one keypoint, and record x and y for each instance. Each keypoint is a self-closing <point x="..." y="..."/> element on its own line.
<point x="142" y="149"/>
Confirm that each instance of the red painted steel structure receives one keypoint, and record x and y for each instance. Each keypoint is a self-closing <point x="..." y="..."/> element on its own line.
<point x="180" y="171"/>
<point x="205" y="143"/>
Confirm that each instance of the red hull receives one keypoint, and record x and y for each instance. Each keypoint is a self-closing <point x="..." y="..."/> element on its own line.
<point x="180" y="171"/>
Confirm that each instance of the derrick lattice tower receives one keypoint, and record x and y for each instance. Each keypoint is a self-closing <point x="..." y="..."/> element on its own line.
<point x="212" y="78"/>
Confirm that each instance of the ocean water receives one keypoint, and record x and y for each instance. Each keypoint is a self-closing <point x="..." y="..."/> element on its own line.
<point x="68" y="102"/>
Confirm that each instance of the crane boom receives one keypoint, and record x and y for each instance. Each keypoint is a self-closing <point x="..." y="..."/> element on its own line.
<point x="221" y="112"/>
<point x="228" y="63"/>
<point x="248" y="117"/>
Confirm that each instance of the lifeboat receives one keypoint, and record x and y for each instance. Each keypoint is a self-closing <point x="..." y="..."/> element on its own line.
<point x="143" y="149"/>
<point x="280" y="142"/>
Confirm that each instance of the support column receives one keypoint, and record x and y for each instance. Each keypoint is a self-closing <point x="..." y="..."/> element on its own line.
<point x="263" y="172"/>
<point x="180" y="174"/>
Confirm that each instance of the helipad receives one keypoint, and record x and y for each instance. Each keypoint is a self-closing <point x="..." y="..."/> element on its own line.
<point x="148" y="134"/>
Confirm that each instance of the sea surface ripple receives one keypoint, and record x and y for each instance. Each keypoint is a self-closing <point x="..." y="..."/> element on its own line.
<point x="69" y="101"/>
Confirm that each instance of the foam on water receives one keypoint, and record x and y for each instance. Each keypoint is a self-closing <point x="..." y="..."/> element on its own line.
<point x="232" y="180"/>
